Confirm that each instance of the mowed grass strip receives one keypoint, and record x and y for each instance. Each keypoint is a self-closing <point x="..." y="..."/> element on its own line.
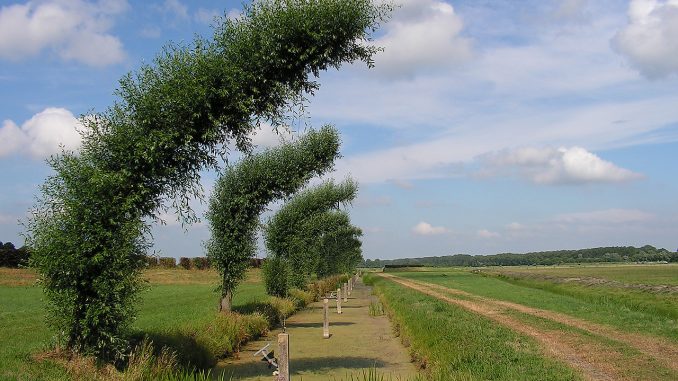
<point x="650" y="274"/>
<point x="627" y="310"/>
<point x="165" y="308"/>
<point x="454" y="344"/>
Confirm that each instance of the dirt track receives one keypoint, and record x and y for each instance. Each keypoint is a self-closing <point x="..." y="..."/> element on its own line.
<point x="598" y="352"/>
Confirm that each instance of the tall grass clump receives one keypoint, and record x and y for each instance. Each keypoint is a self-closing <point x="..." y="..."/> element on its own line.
<point x="324" y="286"/>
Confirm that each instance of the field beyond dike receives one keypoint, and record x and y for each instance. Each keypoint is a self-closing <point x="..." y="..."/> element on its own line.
<point x="594" y="322"/>
<point x="613" y="322"/>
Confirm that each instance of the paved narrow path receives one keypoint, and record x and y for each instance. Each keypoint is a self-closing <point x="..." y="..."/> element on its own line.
<point x="358" y="343"/>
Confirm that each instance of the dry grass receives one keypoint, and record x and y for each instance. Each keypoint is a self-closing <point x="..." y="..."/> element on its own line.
<point x="29" y="277"/>
<point x="181" y="276"/>
<point x="17" y="277"/>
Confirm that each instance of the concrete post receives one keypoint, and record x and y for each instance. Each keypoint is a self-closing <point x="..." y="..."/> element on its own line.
<point x="338" y="300"/>
<point x="326" y="319"/>
<point x="283" y="357"/>
<point x="348" y="288"/>
<point x="345" y="295"/>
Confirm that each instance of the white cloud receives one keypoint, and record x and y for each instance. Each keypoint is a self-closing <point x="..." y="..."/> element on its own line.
<point x="206" y="16"/>
<point x="266" y="136"/>
<point x="41" y="135"/>
<point x="558" y="166"/>
<point x="424" y="228"/>
<point x="402" y="184"/>
<point x="609" y="216"/>
<point x="570" y="10"/>
<point x="371" y="201"/>
<point x="75" y="30"/>
<point x="423" y="34"/>
<point x="484" y="233"/>
<point x="650" y="40"/>
<point x="7" y="219"/>
<point x="373" y="229"/>
<point x="151" y="32"/>
<point x="176" y="8"/>
<point x="515" y="226"/>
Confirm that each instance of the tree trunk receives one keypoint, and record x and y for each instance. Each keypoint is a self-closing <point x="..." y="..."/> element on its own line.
<point x="226" y="300"/>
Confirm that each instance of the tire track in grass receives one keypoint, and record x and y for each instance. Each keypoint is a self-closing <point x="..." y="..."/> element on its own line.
<point x="661" y="350"/>
<point x="595" y="360"/>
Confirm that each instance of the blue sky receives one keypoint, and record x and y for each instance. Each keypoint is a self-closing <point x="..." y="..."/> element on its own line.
<point x="486" y="126"/>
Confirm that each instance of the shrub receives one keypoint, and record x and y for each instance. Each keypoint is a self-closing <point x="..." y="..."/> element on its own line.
<point x="13" y="257"/>
<point x="168" y="263"/>
<point x="324" y="286"/>
<point x="200" y="263"/>
<point x="185" y="263"/>
<point x="276" y="272"/>
<point x="152" y="261"/>
<point x="301" y="298"/>
<point x="227" y="332"/>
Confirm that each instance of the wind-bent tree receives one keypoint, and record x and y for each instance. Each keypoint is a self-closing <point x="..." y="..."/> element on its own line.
<point x="285" y="236"/>
<point x="243" y="191"/>
<point x="89" y="230"/>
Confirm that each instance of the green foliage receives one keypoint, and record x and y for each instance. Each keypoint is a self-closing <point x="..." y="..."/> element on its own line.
<point x="89" y="230"/>
<point x="646" y="253"/>
<point x="301" y="298"/>
<point x="225" y="333"/>
<point x="243" y="191"/>
<point x="200" y="263"/>
<point x="321" y="287"/>
<point x="12" y="257"/>
<point x="152" y="261"/>
<point x="167" y="262"/>
<point x="185" y="263"/>
<point x="302" y="228"/>
<point x="276" y="273"/>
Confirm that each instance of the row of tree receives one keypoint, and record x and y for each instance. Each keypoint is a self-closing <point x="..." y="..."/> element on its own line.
<point x="299" y="234"/>
<point x="12" y="257"/>
<point x="646" y="253"/>
<point x="90" y="230"/>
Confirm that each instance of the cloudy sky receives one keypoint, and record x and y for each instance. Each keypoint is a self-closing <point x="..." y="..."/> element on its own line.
<point x="486" y="126"/>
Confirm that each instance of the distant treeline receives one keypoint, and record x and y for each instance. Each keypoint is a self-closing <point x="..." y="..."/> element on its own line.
<point x="10" y="256"/>
<point x="646" y="253"/>
<point x="198" y="263"/>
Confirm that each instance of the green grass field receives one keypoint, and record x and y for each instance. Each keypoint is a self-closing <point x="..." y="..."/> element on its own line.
<point x="174" y="299"/>
<point x="616" y="326"/>
<point x="652" y="274"/>
<point x="628" y="310"/>
<point x="454" y="344"/>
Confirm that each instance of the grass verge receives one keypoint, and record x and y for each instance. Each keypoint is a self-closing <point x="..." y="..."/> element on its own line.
<point x="453" y="344"/>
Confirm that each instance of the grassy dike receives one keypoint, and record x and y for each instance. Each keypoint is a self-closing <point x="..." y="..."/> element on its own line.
<point x="450" y="343"/>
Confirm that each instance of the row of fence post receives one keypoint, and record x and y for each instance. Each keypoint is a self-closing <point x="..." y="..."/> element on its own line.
<point x="283" y="338"/>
